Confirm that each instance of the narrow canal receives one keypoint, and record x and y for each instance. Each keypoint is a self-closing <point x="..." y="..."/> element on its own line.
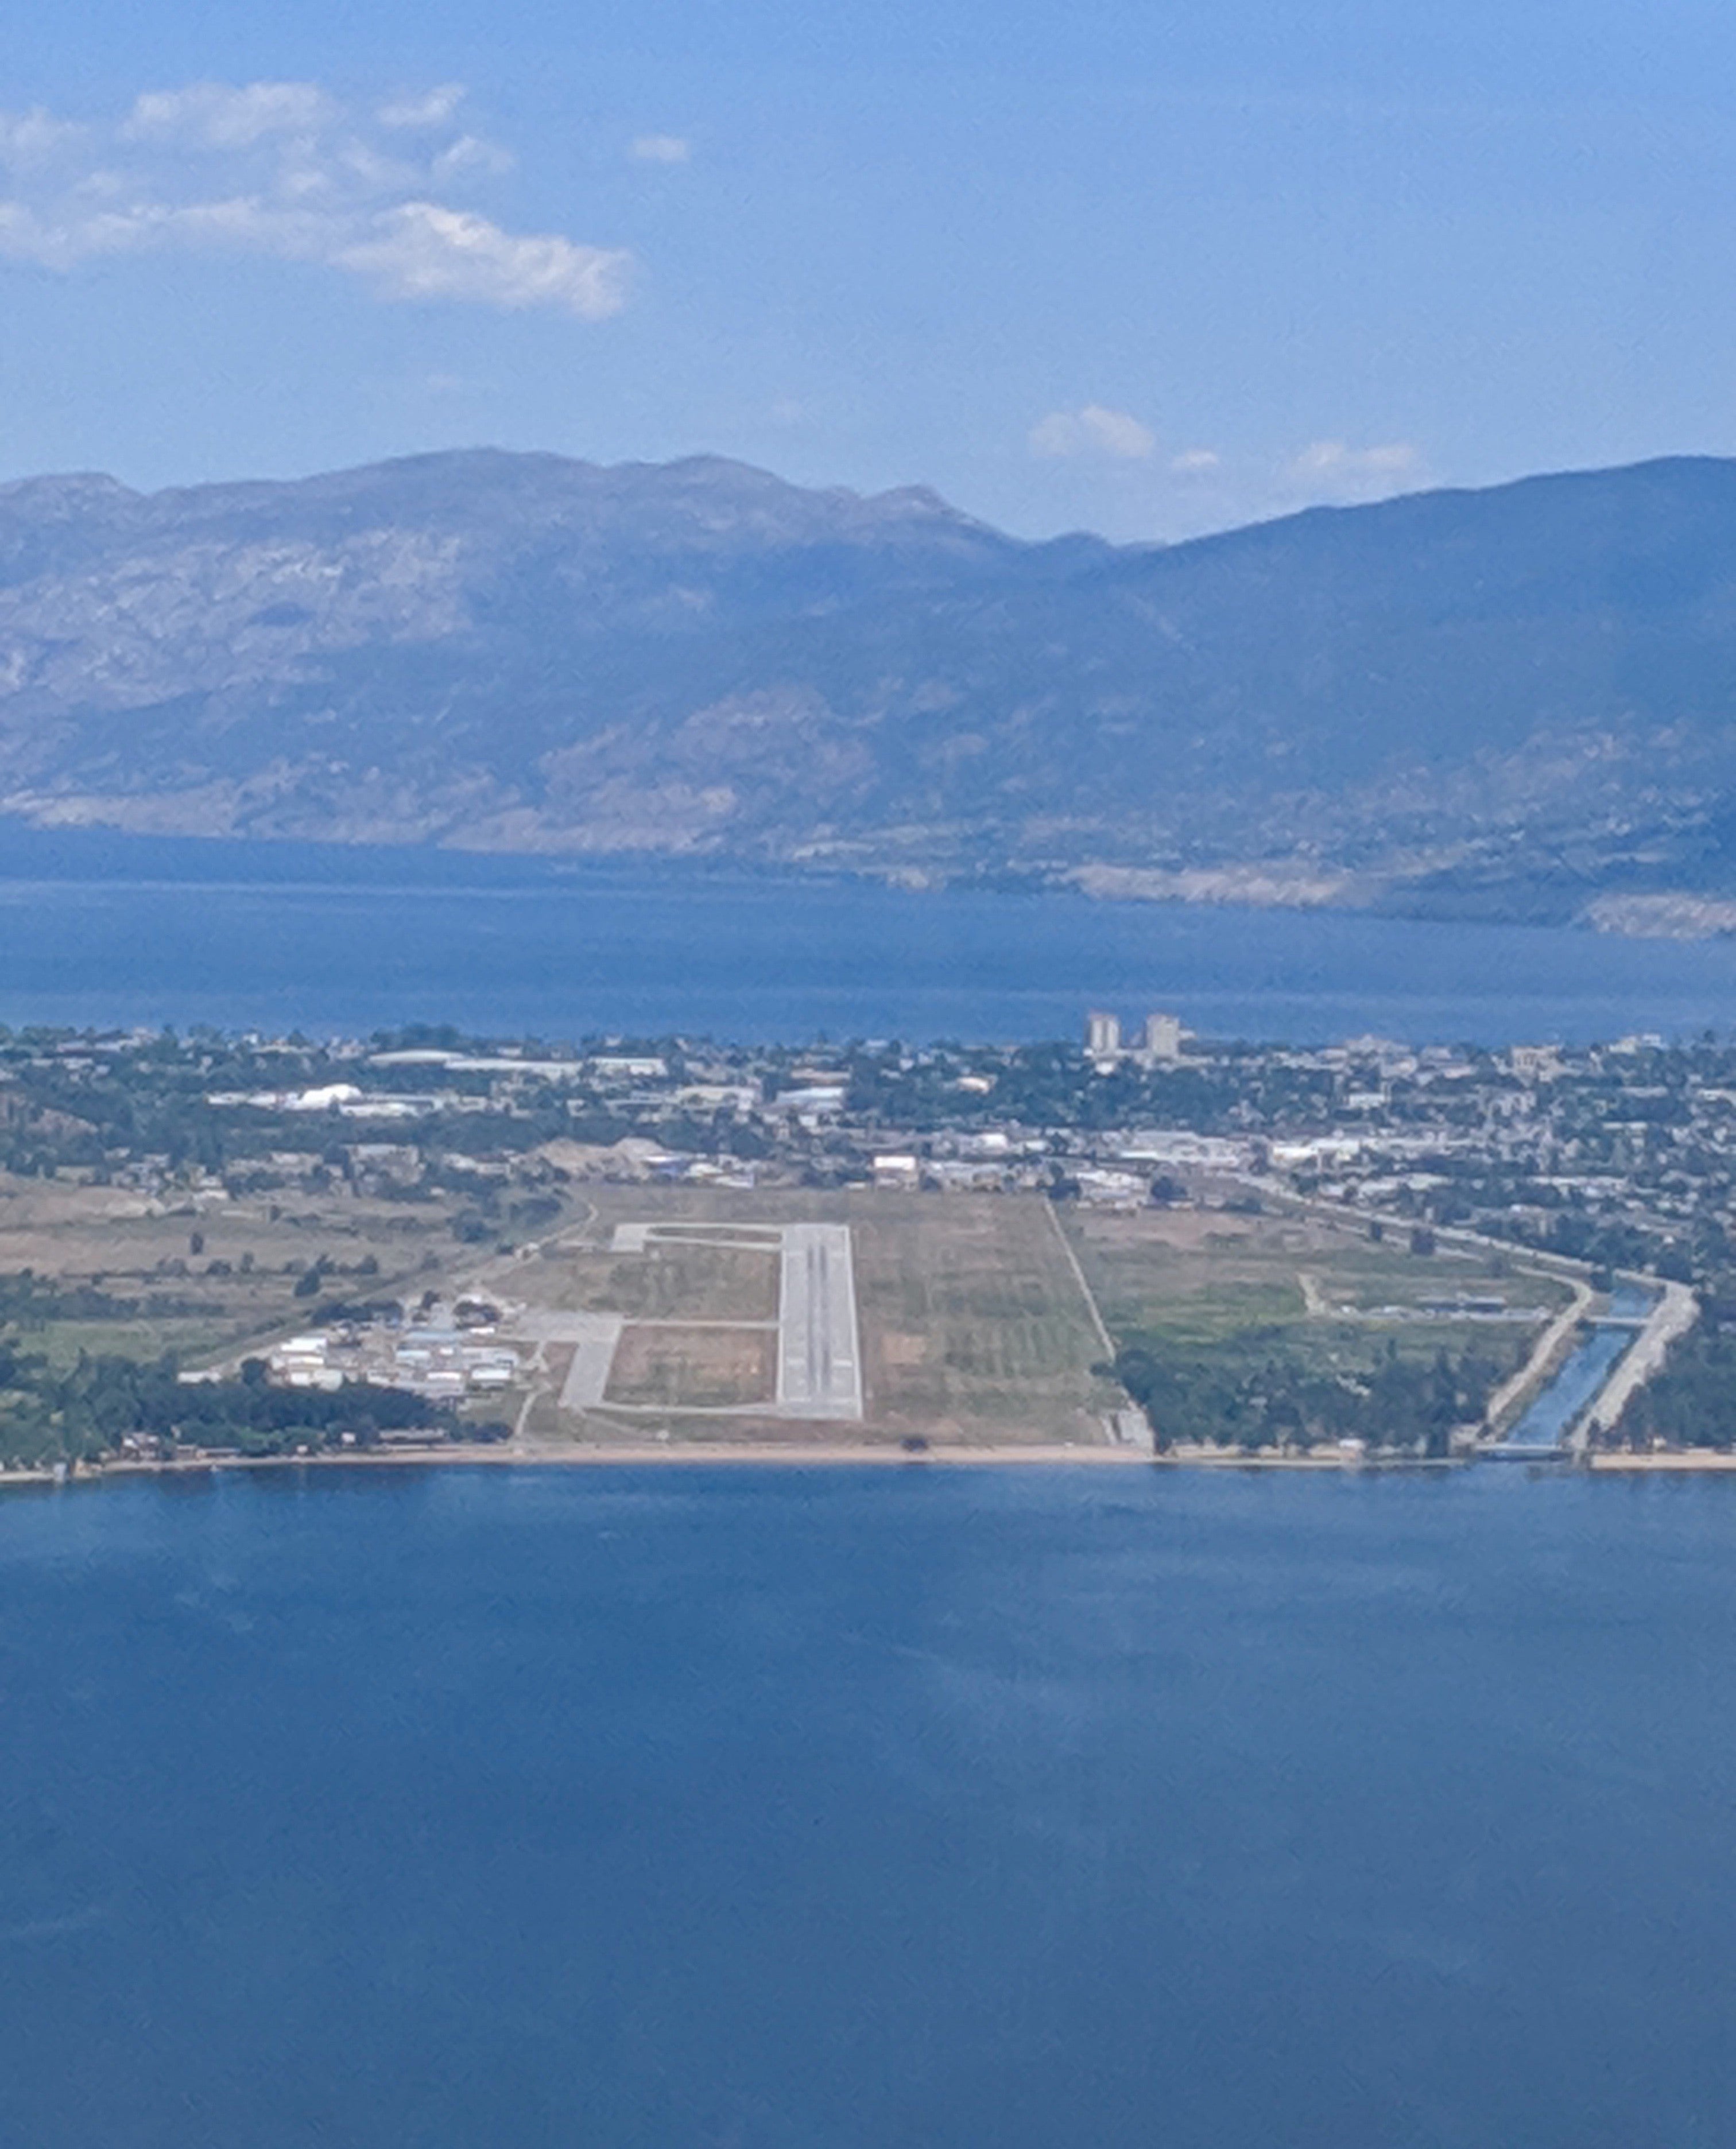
<point x="1555" y="1411"/>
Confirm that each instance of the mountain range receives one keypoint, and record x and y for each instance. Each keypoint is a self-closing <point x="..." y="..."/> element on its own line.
<point x="1519" y="701"/>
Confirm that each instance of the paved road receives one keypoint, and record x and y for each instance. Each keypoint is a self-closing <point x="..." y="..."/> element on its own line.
<point x="1670" y="1319"/>
<point x="819" y="1359"/>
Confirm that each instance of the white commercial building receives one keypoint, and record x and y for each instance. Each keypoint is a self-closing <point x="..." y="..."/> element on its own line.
<point x="1103" y="1035"/>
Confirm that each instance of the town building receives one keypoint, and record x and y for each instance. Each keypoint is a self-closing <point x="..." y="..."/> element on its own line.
<point x="1103" y="1037"/>
<point x="1163" y="1034"/>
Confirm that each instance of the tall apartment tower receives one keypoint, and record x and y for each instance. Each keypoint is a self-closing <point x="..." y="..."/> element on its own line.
<point x="1103" y="1035"/>
<point x="1163" y="1038"/>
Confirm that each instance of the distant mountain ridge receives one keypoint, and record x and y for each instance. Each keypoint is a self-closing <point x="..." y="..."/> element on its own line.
<point x="1522" y="700"/>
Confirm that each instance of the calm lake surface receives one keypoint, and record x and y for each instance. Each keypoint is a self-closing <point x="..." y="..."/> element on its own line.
<point x="836" y="1810"/>
<point x="105" y="931"/>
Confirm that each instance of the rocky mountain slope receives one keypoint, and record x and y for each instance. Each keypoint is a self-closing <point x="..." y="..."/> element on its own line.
<point x="1519" y="697"/>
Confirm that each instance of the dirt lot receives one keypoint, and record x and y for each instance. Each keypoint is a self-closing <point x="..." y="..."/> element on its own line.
<point x="694" y="1368"/>
<point x="667" y="1283"/>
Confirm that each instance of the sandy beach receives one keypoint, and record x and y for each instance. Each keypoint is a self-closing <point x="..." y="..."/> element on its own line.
<point x="756" y="1454"/>
<point x="1670" y="1460"/>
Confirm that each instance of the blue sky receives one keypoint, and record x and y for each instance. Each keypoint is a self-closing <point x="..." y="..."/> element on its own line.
<point x="1147" y="270"/>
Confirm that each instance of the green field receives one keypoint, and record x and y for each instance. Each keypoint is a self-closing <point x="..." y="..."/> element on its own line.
<point x="1193" y="1278"/>
<point x="1289" y="1329"/>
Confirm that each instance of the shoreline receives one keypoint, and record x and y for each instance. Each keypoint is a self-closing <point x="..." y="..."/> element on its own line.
<point x="751" y="1455"/>
<point x="836" y="1455"/>
<point x="1676" y="1459"/>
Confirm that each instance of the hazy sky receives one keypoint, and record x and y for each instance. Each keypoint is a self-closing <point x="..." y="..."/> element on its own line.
<point x="1127" y="264"/>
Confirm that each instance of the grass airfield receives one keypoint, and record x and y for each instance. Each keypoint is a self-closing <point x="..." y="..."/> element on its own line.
<point x="972" y="1330"/>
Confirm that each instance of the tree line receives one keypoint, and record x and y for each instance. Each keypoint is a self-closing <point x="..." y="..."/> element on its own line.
<point x="91" y="1408"/>
<point x="1257" y="1398"/>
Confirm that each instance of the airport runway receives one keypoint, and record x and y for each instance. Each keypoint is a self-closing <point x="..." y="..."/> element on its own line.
<point x="595" y="1336"/>
<point x="819" y="1358"/>
<point x="819" y="1355"/>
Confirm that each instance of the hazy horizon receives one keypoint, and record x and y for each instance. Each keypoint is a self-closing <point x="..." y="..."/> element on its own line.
<point x="171" y="486"/>
<point x="1147" y="275"/>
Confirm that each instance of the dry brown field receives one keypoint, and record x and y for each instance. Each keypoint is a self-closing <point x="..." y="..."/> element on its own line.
<point x="239" y="1286"/>
<point x="674" y="1367"/>
<point x="667" y="1283"/>
<point x="974" y="1326"/>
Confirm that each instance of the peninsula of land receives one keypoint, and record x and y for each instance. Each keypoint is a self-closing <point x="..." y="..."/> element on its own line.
<point x="223" y="1250"/>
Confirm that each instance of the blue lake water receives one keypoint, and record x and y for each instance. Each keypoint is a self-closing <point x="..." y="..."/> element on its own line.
<point x="835" y="1810"/>
<point x="102" y="931"/>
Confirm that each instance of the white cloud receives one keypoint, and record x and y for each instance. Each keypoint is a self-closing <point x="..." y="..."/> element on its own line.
<point x="470" y="153"/>
<point x="1114" y="476"/>
<point x="661" y="149"/>
<point x="434" y="108"/>
<point x="1092" y="430"/>
<point x="34" y="138"/>
<point x="215" y="115"/>
<point x="1333" y="470"/>
<point x="419" y="250"/>
<point x="280" y="168"/>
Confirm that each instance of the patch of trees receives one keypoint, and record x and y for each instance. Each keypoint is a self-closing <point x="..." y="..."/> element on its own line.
<point x="1254" y="1394"/>
<point x="1691" y="1400"/>
<point x="44" y="1300"/>
<point x="1580" y="1237"/>
<point x="27" y="1298"/>
<point x="91" y="1409"/>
